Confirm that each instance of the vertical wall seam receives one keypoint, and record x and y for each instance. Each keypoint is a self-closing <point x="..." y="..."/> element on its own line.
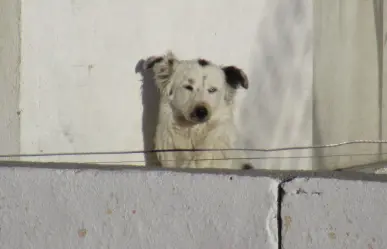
<point x="10" y="76"/>
<point x="378" y="15"/>
<point x="280" y="197"/>
<point x="18" y="77"/>
<point x="315" y="153"/>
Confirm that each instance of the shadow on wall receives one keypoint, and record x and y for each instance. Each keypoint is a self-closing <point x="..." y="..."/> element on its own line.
<point x="281" y="89"/>
<point x="150" y="103"/>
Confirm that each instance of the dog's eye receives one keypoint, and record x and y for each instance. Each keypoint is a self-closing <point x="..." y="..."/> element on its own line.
<point x="212" y="90"/>
<point x="190" y="88"/>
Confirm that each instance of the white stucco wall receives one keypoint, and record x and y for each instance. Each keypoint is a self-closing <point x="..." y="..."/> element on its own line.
<point x="277" y="111"/>
<point x="80" y="90"/>
<point x="85" y="206"/>
<point x="349" y="89"/>
<point x="9" y="76"/>
<point x="70" y="71"/>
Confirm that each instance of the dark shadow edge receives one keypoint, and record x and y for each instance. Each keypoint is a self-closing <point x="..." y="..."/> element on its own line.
<point x="275" y="174"/>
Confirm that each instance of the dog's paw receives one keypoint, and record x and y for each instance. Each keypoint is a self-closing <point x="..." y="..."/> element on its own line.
<point x="247" y="166"/>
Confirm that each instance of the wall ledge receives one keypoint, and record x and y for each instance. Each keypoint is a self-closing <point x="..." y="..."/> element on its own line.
<point x="282" y="175"/>
<point x="122" y="206"/>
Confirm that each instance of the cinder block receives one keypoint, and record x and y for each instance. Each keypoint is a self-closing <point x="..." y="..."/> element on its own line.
<point x="334" y="214"/>
<point x="48" y="208"/>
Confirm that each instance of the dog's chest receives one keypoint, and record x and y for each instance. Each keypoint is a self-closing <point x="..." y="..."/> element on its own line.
<point x="190" y="137"/>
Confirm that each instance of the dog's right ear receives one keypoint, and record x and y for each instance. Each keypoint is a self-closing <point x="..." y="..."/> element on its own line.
<point x="163" y="68"/>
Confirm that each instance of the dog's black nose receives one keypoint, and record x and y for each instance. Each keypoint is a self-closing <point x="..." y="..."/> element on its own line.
<point x="201" y="113"/>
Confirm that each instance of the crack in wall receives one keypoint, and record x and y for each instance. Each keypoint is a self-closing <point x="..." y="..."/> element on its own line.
<point x="280" y="197"/>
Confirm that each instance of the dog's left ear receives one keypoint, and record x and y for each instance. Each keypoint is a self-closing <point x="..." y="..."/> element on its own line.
<point x="235" y="77"/>
<point x="163" y="68"/>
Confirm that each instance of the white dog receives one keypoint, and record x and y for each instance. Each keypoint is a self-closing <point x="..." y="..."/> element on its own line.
<point x="196" y="112"/>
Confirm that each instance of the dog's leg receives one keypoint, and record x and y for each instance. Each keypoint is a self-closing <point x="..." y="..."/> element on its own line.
<point x="217" y="158"/>
<point x="221" y="157"/>
<point x="211" y="159"/>
<point x="163" y="141"/>
<point x="173" y="159"/>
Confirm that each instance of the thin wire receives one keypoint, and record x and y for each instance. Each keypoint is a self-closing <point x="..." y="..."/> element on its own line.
<point x="245" y="158"/>
<point x="192" y="150"/>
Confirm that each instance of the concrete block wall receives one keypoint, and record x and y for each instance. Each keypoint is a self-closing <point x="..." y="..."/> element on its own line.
<point x="48" y="205"/>
<point x="334" y="213"/>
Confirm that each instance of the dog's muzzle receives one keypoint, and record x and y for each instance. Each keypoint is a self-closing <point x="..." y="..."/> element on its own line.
<point x="200" y="114"/>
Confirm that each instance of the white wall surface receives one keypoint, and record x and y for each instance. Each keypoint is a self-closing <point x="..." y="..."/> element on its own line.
<point x="277" y="111"/>
<point x="81" y="87"/>
<point x="83" y="206"/>
<point x="80" y="90"/>
<point x="9" y="76"/>
<point x="349" y="90"/>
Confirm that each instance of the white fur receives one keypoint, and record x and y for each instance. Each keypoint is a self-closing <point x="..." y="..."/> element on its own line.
<point x="178" y="129"/>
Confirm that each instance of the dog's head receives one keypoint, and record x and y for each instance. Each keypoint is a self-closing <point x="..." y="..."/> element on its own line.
<point x="197" y="88"/>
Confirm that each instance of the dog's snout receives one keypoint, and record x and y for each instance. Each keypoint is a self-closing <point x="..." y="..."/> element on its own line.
<point x="200" y="113"/>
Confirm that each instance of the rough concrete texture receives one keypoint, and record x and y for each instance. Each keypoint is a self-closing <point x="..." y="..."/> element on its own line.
<point x="58" y="208"/>
<point x="89" y="206"/>
<point x="333" y="213"/>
